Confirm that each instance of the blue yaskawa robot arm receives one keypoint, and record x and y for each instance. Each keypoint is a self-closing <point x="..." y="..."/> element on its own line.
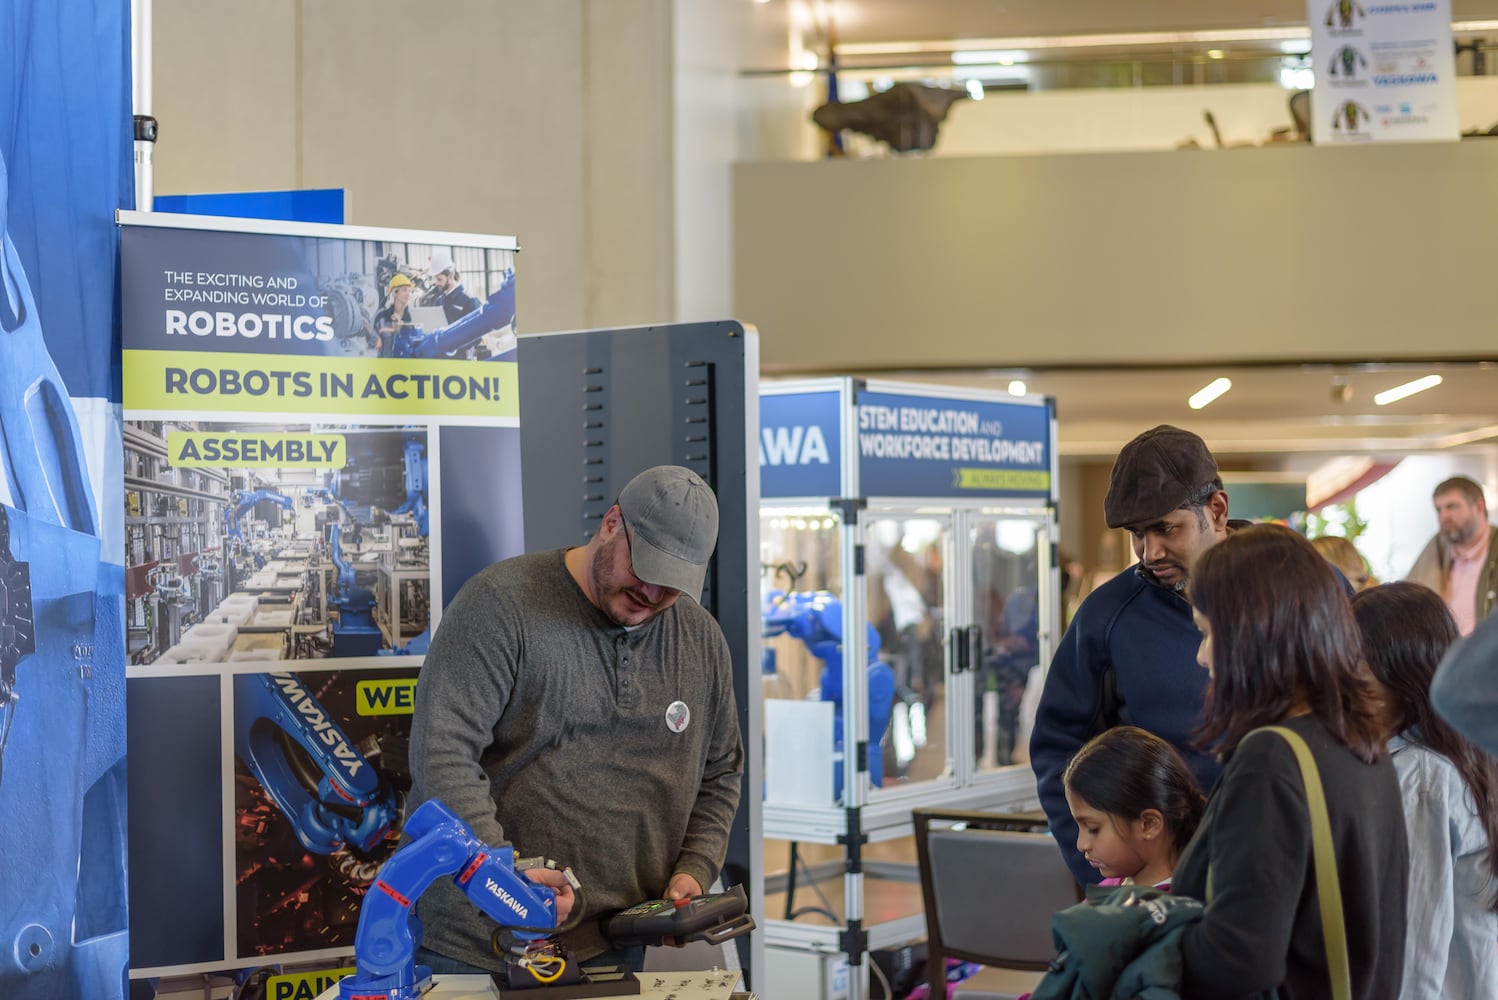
<point x="441" y="844"/>
<point x="309" y="767"/>
<point x="63" y="925"/>
<point x="415" y="504"/>
<point x="324" y="493"/>
<point x="355" y="632"/>
<point x="816" y="618"/>
<point x="244" y="502"/>
<point x="350" y="597"/>
<point x="496" y="313"/>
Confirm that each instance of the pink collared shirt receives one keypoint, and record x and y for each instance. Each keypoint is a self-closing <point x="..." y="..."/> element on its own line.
<point x="1461" y="583"/>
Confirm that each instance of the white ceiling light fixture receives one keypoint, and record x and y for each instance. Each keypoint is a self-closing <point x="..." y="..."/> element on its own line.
<point x="1022" y="44"/>
<point x="1399" y="392"/>
<point x="1468" y="437"/>
<point x="1017" y="388"/>
<point x="1296" y="35"/>
<point x="1209" y="392"/>
<point x="979" y="57"/>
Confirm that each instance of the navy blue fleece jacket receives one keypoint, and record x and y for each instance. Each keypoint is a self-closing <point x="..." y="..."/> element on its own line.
<point x="1144" y="632"/>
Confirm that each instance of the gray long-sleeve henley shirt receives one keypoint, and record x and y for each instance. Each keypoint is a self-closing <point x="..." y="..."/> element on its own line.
<point x="543" y="724"/>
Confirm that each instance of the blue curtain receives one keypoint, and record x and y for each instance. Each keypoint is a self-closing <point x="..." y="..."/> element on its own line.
<point x="65" y="167"/>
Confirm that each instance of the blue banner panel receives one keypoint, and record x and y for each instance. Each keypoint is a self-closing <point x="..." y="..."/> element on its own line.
<point x="65" y="168"/>
<point x="313" y="205"/>
<point x="215" y="292"/>
<point x="313" y="414"/>
<point x="173" y="721"/>
<point x="800" y="445"/>
<point x="480" y="481"/>
<point x="918" y="446"/>
<point x="65" y="139"/>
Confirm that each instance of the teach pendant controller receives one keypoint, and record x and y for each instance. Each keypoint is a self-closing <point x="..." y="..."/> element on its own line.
<point x="714" y="918"/>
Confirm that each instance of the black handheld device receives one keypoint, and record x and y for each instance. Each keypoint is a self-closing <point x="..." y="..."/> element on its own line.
<point x="713" y="917"/>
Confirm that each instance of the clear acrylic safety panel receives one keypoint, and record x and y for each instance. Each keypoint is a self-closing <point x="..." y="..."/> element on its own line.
<point x="1008" y="573"/>
<point x="800" y="595"/>
<point x="908" y="600"/>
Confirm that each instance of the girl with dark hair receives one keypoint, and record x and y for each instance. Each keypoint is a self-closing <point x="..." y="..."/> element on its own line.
<point x="1282" y="648"/>
<point x="1450" y="798"/>
<point x="1136" y="804"/>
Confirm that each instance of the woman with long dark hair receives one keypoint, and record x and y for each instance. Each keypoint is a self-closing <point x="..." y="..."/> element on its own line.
<point x="1280" y="642"/>
<point x="1450" y="799"/>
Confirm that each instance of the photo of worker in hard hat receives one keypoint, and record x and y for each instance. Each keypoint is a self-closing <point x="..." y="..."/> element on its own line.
<point x="397" y="314"/>
<point x="442" y="318"/>
<point x="445" y="288"/>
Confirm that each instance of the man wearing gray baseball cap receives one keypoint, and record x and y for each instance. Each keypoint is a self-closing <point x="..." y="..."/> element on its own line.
<point x="1129" y="654"/>
<point x="578" y="704"/>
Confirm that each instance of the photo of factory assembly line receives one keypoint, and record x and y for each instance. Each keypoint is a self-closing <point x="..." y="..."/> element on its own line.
<point x="249" y="542"/>
<point x="398" y="300"/>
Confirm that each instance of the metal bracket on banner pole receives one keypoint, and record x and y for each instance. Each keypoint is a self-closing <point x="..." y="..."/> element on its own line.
<point x="145" y="125"/>
<point x="854" y="839"/>
<point x="848" y="507"/>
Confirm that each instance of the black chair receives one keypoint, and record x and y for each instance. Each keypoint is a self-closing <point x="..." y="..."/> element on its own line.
<point x="990" y="883"/>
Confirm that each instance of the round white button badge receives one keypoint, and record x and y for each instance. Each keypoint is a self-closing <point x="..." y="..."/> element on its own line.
<point x="678" y="716"/>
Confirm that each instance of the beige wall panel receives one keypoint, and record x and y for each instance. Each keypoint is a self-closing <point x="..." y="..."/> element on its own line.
<point x="1247" y="254"/>
<point x="224" y="87"/>
<point x="710" y="41"/>
<point x="626" y="135"/>
<point x="471" y="122"/>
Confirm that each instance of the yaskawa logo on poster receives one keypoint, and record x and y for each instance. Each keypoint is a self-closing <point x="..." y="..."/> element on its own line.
<point x="326" y="731"/>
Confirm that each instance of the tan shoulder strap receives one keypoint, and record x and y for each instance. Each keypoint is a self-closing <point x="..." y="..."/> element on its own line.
<point x="1324" y="857"/>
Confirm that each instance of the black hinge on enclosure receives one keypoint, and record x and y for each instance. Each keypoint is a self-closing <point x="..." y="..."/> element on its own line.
<point x="853" y="942"/>
<point x="854" y="840"/>
<point x="960" y="662"/>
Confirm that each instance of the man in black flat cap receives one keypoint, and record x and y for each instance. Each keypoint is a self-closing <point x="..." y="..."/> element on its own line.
<point x="1129" y="655"/>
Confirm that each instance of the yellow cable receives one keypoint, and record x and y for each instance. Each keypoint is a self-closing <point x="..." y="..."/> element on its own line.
<point x="531" y="967"/>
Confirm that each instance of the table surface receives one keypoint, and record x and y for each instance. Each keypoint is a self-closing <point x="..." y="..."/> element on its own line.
<point x="446" y="988"/>
<point x="482" y="988"/>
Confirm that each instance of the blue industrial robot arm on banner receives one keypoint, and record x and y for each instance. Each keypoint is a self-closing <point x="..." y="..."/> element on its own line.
<point x="440" y="844"/>
<point x="318" y="778"/>
<point x="62" y="921"/>
<point x="496" y="313"/>
<point x="349" y="596"/>
<point x="414" y="449"/>
<point x="244" y="502"/>
<point x="816" y="618"/>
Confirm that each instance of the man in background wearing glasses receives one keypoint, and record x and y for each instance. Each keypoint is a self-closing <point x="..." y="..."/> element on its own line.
<point x="578" y="704"/>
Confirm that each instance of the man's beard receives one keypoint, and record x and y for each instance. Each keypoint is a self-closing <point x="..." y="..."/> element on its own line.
<point x="602" y="587"/>
<point x="1461" y="536"/>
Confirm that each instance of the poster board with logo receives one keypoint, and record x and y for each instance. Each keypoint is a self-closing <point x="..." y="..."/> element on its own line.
<point x="833" y="438"/>
<point x="1385" y="72"/>
<point x="298" y="399"/>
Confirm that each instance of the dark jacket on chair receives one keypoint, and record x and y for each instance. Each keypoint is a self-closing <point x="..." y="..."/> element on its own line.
<point x="1128" y="945"/>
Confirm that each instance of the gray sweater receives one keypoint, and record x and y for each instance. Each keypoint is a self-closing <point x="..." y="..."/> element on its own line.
<point x="543" y="724"/>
